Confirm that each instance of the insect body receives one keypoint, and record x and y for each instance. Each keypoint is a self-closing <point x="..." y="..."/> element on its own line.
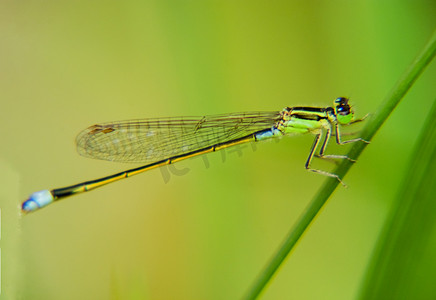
<point x="162" y="141"/>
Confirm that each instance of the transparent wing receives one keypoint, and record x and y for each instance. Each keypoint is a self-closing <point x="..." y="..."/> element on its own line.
<point x="151" y="140"/>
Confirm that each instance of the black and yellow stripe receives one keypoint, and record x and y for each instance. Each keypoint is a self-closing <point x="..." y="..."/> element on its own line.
<point x="85" y="186"/>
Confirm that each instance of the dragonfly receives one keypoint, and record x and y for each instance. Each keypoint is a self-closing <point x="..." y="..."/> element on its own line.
<point x="157" y="142"/>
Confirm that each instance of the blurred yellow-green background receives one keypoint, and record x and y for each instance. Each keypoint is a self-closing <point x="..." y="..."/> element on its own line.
<point x="205" y="229"/>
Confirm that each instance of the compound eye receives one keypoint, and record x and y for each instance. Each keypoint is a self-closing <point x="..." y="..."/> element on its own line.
<point x="341" y="100"/>
<point x="344" y="112"/>
<point x="341" y="106"/>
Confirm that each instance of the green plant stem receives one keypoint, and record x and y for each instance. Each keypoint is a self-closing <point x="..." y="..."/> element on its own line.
<point x="403" y="265"/>
<point x="372" y="126"/>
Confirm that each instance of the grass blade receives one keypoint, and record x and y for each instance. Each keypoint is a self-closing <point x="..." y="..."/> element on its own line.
<point x="403" y="264"/>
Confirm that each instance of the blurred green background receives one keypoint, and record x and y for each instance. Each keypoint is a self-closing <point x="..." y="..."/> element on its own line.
<point x="205" y="229"/>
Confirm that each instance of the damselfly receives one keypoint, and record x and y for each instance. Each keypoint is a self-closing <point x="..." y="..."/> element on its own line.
<point x="159" y="142"/>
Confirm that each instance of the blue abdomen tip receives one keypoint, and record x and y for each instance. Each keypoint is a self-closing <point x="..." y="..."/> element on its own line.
<point x="37" y="200"/>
